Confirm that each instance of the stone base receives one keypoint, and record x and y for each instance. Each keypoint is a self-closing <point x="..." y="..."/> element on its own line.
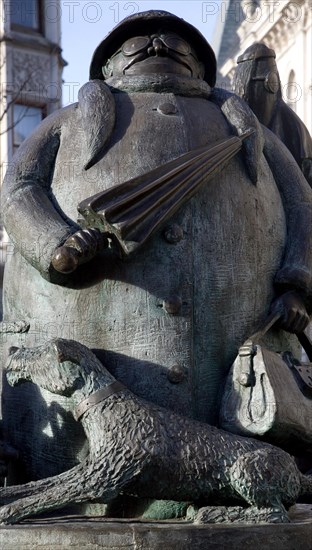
<point x="96" y="533"/>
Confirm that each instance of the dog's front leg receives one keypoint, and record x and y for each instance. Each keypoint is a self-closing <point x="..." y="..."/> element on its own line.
<point x="80" y="484"/>
<point x="16" y="492"/>
<point x="46" y="494"/>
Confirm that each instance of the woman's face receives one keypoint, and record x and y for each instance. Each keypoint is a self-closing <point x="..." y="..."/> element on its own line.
<point x="161" y="53"/>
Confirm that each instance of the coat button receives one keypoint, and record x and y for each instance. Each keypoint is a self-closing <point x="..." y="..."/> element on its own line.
<point x="172" y="305"/>
<point x="176" y="374"/>
<point x="167" y="109"/>
<point x="173" y="233"/>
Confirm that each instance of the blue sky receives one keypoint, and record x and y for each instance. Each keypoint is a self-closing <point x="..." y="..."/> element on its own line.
<point x="85" y="23"/>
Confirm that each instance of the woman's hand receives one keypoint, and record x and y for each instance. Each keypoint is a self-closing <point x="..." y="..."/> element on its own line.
<point x="294" y="316"/>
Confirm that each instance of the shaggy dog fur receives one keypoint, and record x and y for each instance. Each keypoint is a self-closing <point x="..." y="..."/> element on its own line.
<point x="141" y="449"/>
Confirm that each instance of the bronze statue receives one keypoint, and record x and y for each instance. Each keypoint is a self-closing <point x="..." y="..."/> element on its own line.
<point x="257" y="81"/>
<point x="193" y="222"/>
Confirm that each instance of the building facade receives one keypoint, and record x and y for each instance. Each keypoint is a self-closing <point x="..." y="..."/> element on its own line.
<point x="283" y="25"/>
<point x="31" y="67"/>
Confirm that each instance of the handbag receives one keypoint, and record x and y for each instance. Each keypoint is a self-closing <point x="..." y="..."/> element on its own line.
<point x="269" y="395"/>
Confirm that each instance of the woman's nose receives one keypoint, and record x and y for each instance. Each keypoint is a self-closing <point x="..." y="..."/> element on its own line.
<point x="156" y="48"/>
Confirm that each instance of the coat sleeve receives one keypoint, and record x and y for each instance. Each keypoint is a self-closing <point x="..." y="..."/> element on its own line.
<point x="296" y="268"/>
<point x="294" y="134"/>
<point x="31" y="219"/>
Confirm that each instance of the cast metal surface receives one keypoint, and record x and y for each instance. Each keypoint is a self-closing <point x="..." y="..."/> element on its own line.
<point x="143" y="450"/>
<point x="168" y="320"/>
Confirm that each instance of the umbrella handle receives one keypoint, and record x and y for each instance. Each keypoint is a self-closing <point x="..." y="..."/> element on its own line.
<point x="78" y="249"/>
<point x="66" y="259"/>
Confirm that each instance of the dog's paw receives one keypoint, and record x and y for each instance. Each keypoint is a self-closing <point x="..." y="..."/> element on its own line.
<point x="239" y="514"/>
<point x="7" y="515"/>
<point x="219" y="514"/>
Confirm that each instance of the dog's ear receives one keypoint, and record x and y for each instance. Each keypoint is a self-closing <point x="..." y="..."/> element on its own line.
<point x="70" y="350"/>
<point x="71" y="377"/>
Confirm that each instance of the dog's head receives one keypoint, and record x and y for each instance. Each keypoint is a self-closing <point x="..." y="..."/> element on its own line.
<point x="60" y="366"/>
<point x="50" y="366"/>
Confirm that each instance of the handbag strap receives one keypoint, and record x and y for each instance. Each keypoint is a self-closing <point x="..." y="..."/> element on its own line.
<point x="306" y="343"/>
<point x="272" y="318"/>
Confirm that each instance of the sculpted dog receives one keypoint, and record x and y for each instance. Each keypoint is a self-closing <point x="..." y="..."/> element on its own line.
<point x="141" y="449"/>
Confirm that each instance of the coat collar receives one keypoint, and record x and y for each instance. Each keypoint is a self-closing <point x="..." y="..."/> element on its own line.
<point x="157" y="83"/>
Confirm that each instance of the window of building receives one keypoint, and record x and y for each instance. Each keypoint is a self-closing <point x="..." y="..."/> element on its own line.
<point x="26" y="13"/>
<point x="25" y="120"/>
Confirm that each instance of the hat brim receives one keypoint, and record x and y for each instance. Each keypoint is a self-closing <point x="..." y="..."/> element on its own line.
<point x="147" y="23"/>
<point x="258" y="50"/>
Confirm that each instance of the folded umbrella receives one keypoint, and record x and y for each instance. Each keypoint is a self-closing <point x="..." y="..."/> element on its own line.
<point x="134" y="210"/>
<point x="131" y="212"/>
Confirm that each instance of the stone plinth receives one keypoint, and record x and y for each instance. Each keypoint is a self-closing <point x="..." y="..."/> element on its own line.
<point x="96" y="533"/>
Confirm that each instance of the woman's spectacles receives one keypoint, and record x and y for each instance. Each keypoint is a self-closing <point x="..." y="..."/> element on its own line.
<point x="140" y="43"/>
<point x="270" y="80"/>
